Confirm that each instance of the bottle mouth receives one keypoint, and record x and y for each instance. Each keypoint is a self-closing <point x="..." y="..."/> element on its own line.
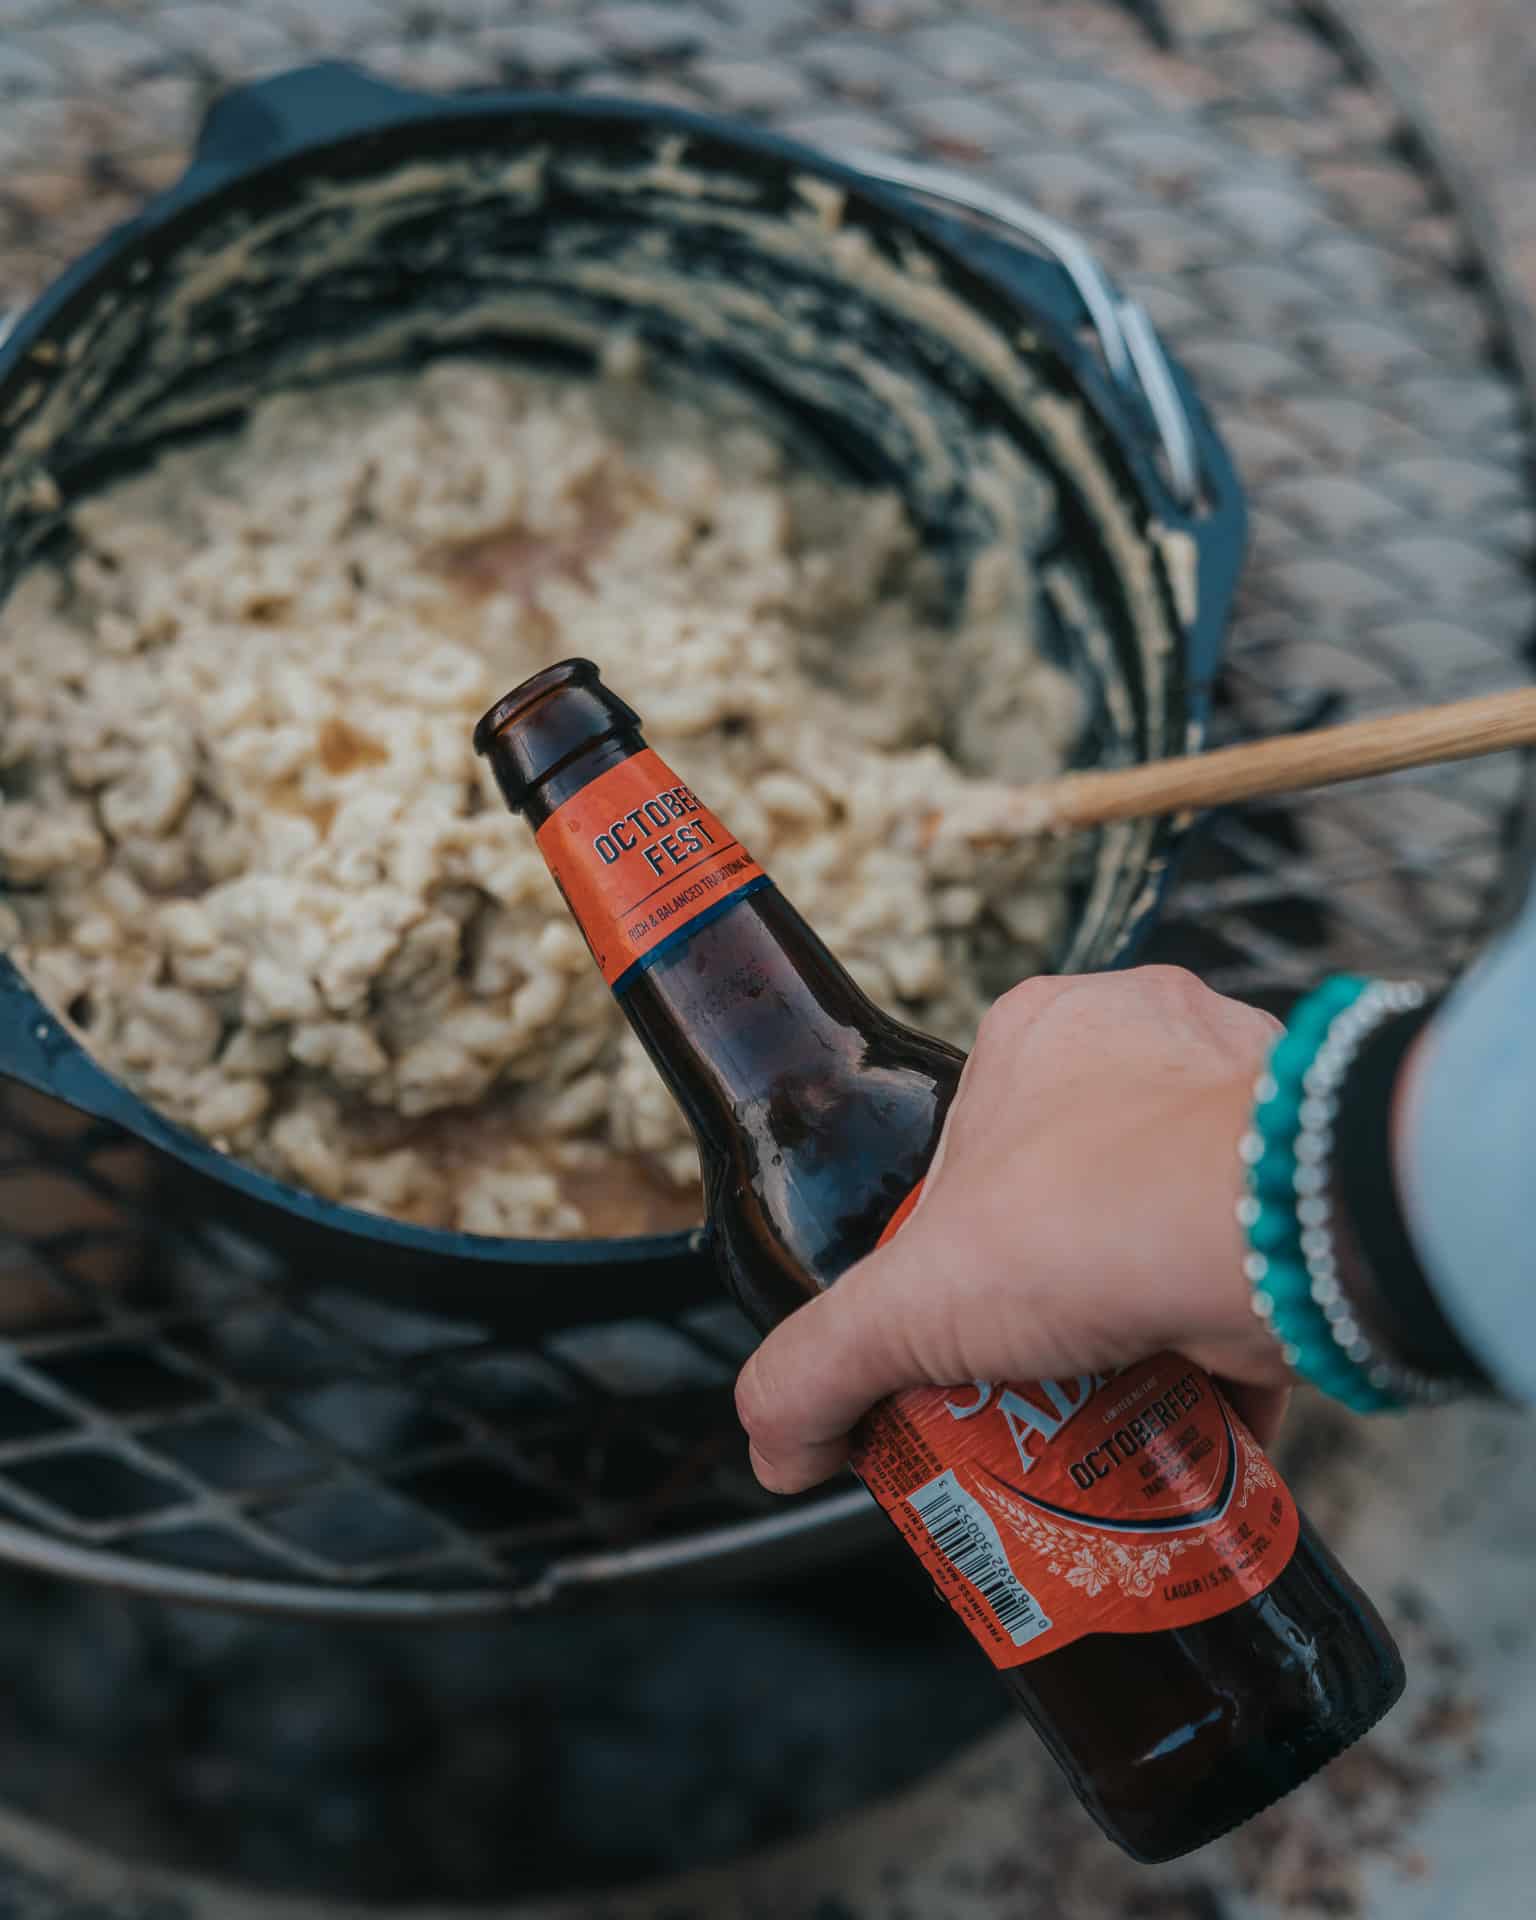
<point x="528" y="693"/>
<point x="548" y="721"/>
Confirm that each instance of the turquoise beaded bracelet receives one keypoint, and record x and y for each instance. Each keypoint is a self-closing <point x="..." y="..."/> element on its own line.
<point x="1285" y="1209"/>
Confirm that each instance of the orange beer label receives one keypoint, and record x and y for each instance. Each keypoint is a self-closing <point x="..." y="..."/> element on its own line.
<point x="640" y="860"/>
<point x="1043" y="1512"/>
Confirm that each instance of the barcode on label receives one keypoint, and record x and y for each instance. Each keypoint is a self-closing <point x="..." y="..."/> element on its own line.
<point x="963" y="1532"/>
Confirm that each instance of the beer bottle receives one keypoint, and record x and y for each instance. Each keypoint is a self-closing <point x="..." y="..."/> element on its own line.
<point x="1120" y="1547"/>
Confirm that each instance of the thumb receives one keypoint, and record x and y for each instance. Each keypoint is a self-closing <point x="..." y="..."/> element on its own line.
<point x="880" y="1328"/>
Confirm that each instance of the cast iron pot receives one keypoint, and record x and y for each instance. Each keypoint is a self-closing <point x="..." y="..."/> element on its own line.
<point x="330" y="225"/>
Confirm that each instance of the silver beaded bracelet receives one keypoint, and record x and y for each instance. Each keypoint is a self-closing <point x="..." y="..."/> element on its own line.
<point x="1347" y="1033"/>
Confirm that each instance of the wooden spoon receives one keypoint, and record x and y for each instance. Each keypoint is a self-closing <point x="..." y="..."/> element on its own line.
<point x="1295" y="763"/>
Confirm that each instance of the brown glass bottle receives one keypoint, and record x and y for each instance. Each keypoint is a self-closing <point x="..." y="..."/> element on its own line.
<point x="816" y="1115"/>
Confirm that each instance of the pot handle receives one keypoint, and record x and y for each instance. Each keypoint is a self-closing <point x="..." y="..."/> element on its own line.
<point x="307" y="106"/>
<point x="1203" y="494"/>
<point x="1132" y="352"/>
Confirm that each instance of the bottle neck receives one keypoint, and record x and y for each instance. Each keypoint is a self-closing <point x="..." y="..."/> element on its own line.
<point x="750" y="1013"/>
<point x="815" y="1113"/>
<point x="566" y="781"/>
<point x="734" y="996"/>
<point x="642" y="862"/>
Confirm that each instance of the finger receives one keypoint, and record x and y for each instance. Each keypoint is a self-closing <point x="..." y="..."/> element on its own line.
<point x="1261" y="1409"/>
<point x="819" y="1372"/>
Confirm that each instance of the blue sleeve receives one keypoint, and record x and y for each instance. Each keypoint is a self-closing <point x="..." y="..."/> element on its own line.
<point x="1467" y="1159"/>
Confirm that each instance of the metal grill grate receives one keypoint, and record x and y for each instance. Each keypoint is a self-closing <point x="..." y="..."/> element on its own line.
<point x="176" y="1417"/>
<point x="210" y="1421"/>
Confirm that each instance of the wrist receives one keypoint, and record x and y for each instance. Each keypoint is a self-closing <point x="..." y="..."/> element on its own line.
<point x="1380" y="1270"/>
<point x="1404" y="1093"/>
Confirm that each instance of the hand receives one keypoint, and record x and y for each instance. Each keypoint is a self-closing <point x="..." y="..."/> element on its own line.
<point x="1079" y="1215"/>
